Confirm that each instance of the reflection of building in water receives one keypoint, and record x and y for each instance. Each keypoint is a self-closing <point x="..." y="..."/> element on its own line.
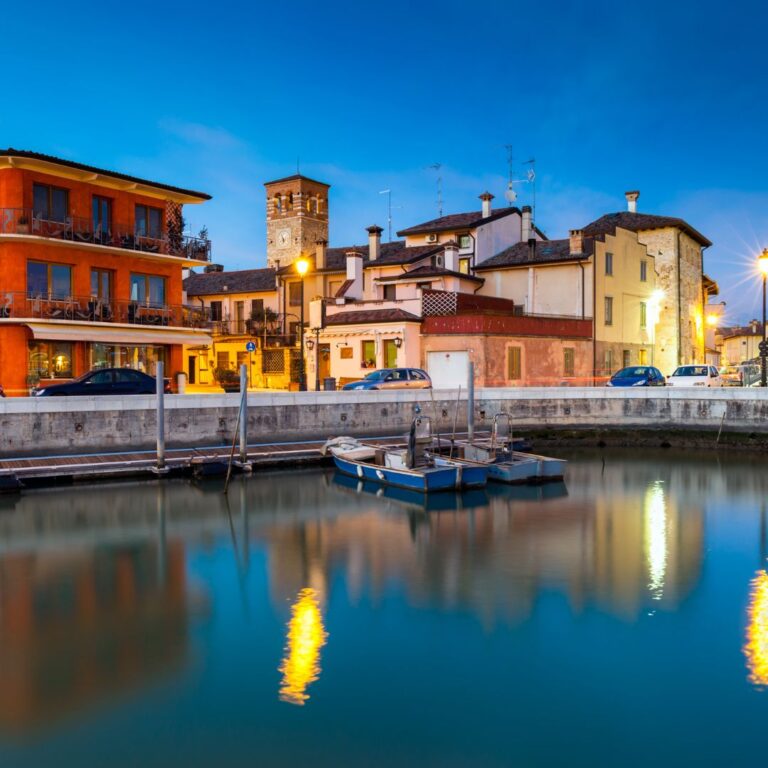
<point x="306" y="636"/>
<point x="80" y="624"/>
<point x="756" y="643"/>
<point x="628" y="549"/>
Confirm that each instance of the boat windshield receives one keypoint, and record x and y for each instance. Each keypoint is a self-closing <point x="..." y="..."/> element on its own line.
<point x="631" y="373"/>
<point x="376" y="375"/>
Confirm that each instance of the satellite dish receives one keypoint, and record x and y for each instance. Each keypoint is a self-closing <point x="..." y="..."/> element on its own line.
<point x="510" y="194"/>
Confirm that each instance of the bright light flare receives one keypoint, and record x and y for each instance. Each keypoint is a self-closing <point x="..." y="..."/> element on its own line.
<point x="756" y="644"/>
<point x="655" y="508"/>
<point x="302" y="266"/>
<point x="713" y="320"/>
<point x="762" y="262"/>
<point x="306" y="636"/>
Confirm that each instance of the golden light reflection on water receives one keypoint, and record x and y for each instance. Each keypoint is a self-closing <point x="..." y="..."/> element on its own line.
<point x="306" y="636"/>
<point x="655" y="523"/>
<point x="756" y="645"/>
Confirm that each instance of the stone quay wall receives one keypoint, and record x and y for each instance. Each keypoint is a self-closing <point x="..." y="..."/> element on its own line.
<point x="40" y="426"/>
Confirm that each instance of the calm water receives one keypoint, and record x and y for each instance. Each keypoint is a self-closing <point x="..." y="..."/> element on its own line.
<point x="621" y="620"/>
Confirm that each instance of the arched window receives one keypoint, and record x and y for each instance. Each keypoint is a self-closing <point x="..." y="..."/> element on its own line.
<point x="289" y="205"/>
<point x="308" y="205"/>
<point x="278" y="203"/>
<point x="315" y="205"/>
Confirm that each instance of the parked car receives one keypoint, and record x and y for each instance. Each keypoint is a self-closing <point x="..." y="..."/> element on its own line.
<point x="637" y="376"/>
<point x="741" y="375"/>
<point x="104" y="381"/>
<point x="393" y="378"/>
<point x="695" y="376"/>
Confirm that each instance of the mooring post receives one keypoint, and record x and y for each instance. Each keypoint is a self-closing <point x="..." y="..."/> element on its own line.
<point x="471" y="402"/>
<point x="160" y="388"/>
<point x="243" y="414"/>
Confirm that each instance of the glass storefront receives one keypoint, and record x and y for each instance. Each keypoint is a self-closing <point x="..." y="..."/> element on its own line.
<point x="140" y="358"/>
<point x="50" y="360"/>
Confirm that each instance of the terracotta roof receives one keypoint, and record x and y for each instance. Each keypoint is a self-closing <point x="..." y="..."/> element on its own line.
<point x="428" y="270"/>
<point x="241" y="281"/>
<point x="371" y="316"/>
<point x="294" y="177"/>
<point x="389" y="253"/>
<point x="10" y="152"/>
<point x="741" y="330"/>
<point x="637" y="222"/>
<point x="456" y="221"/>
<point x="546" y="252"/>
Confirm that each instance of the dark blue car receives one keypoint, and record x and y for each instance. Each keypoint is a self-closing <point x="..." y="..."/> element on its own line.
<point x="637" y="376"/>
<point x="104" y="381"/>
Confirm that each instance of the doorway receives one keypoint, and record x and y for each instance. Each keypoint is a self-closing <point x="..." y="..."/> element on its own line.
<point x="390" y="353"/>
<point x="191" y="368"/>
<point x="324" y="362"/>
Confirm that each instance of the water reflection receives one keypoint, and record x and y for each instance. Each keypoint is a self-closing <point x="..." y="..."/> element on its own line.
<point x="656" y="538"/>
<point x="306" y="636"/>
<point x="756" y="646"/>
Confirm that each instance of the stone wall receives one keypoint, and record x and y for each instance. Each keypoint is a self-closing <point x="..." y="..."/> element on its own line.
<point x="35" y="426"/>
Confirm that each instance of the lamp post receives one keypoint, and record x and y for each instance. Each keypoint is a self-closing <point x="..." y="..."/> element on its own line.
<point x="762" y="263"/>
<point x="302" y="266"/>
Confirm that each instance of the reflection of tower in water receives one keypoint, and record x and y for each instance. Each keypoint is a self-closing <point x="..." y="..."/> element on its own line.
<point x="306" y="636"/>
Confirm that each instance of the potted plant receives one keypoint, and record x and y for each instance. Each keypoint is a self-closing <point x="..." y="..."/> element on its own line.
<point x="228" y="379"/>
<point x="22" y="225"/>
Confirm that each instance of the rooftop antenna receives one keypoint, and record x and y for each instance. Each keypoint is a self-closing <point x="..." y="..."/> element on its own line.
<point x="437" y="167"/>
<point x="531" y="178"/>
<point x="510" y="195"/>
<point x="298" y="170"/>
<point x="388" y="193"/>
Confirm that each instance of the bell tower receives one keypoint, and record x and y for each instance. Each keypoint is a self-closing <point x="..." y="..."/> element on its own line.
<point x="297" y="217"/>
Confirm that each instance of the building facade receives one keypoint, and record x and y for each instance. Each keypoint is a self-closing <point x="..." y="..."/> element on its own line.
<point x="91" y="271"/>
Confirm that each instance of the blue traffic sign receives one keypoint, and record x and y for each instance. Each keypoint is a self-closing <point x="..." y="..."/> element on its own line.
<point x="250" y="346"/>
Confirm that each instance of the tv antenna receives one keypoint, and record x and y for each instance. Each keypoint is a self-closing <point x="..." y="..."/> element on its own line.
<point x="531" y="179"/>
<point x="388" y="193"/>
<point x="437" y="167"/>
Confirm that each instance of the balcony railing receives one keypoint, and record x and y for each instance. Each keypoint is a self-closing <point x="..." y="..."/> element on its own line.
<point x="88" y="308"/>
<point x="268" y="334"/>
<point x="22" y="221"/>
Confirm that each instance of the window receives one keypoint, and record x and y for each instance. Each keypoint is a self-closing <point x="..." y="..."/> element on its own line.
<point x="514" y="359"/>
<point x="222" y="360"/>
<point x="608" y="361"/>
<point x="289" y="204"/>
<point x="333" y="287"/>
<point x="101" y="284"/>
<point x="149" y="222"/>
<point x="642" y="357"/>
<point x="346" y="353"/>
<point x="643" y="271"/>
<point x="102" y="214"/>
<point x="465" y="241"/>
<point x="424" y="286"/>
<point x="417" y="375"/>
<point x="390" y="292"/>
<point x="569" y="361"/>
<point x="239" y="317"/>
<point x="123" y="376"/>
<point x="278" y="203"/>
<point x="609" y="310"/>
<point x="216" y="313"/>
<point x="294" y="293"/>
<point x="257" y="309"/>
<point x="626" y="357"/>
<point x="51" y="203"/>
<point x="464" y="266"/>
<point x="367" y="354"/>
<point x="52" y="281"/>
<point x="643" y="314"/>
<point x="608" y="263"/>
<point x="148" y="289"/>
<point x="272" y="361"/>
<point x="50" y="360"/>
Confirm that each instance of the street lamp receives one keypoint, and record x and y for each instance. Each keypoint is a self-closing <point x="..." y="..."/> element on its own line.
<point x="302" y="267"/>
<point x="762" y="263"/>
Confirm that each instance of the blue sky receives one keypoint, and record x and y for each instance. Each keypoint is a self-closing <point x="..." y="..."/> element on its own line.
<point x="669" y="98"/>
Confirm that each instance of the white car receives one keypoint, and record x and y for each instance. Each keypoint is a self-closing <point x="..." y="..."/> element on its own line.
<point x="695" y="376"/>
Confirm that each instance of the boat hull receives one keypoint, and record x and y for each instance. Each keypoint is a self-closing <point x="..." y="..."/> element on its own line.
<point x="425" y="481"/>
<point x="549" y="469"/>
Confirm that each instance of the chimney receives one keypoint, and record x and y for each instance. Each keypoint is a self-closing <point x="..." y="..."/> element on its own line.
<point x="320" y="249"/>
<point x="527" y="228"/>
<point x="486" y="197"/>
<point x="577" y="242"/>
<point x="354" y="275"/>
<point x="451" y="255"/>
<point x="374" y="242"/>
<point x="632" y="200"/>
<point x="213" y="268"/>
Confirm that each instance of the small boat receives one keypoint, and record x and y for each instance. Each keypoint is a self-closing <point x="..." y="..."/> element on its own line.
<point x="506" y="465"/>
<point x="411" y="468"/>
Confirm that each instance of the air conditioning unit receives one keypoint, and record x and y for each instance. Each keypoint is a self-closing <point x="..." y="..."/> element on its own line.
<point x="432" y="238"/>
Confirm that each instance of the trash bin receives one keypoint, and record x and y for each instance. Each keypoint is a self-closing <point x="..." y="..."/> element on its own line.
<point x="329" y="384"/>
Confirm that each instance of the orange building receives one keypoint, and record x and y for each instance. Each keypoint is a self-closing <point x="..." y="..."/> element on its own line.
<point x="91" y="271"/>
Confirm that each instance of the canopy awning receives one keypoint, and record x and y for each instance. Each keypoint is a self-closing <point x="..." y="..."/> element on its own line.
<point x="123" y="334"/>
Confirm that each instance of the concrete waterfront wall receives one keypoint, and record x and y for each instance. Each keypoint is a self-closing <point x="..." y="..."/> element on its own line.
<point x="33" y="426"/>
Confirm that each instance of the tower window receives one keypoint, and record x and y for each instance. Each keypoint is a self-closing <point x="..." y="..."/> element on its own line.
<point x="278" y="203"/>
<point x="289" y="204"/>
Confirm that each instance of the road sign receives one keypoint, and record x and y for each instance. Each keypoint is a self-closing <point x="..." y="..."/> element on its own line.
<point x="250" y="346"/>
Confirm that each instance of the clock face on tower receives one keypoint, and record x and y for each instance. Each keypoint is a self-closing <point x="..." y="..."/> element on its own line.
<point x="283" y="238"/>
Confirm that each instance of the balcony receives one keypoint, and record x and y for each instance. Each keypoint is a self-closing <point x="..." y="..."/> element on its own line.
<point x="20" y="306"/>
<point x="271" y="333"/>
<point x="22" y="221"/>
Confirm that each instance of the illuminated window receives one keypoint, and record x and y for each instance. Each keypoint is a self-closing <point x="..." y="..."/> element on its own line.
<point x="642" y="357"/>
<point x="367" y="354"/>
<point x="464" y="266"/>
<point x="50" y="360"/>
